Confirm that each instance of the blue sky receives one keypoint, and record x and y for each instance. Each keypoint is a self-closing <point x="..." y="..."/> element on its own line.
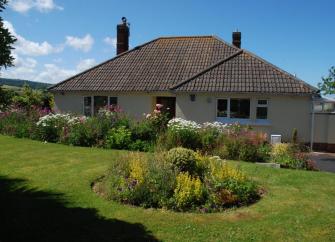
<point x="59" y="38"/>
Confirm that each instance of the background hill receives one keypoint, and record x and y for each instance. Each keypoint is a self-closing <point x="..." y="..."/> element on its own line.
<point x="16" y="84"/>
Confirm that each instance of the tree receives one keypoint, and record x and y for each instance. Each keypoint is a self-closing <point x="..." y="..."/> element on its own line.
<point x="327" y="86"/>
<point x="6" y="41"/>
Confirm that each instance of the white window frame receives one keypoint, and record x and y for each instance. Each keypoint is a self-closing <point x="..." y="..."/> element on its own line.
<point x="228" y="119"/>
<point x="263" y="106"/>
<point x="92" y="104"/>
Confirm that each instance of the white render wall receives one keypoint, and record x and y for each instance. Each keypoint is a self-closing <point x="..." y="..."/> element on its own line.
<point x="284" y="112"/>
<point x="134" y="104"/>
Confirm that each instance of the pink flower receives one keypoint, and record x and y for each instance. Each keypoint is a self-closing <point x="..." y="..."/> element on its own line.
<point x="148" y="115"/>
<point x="159" y="106"/>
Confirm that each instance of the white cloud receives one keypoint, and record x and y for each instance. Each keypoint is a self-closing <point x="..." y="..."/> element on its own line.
<point x="52" y="73"/>
<point x="24" y="68"/>
<point x="110" y="41"/>
<point x="23" y="6"/>
<point x="83" y="44"/>
<point x="28" y="69"/>
<point x="85" y="64"/>
<point x="31" y="48"/>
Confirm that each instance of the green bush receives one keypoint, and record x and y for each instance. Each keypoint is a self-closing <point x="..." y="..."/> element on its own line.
<point x="209" y="139"/>
<point x="144" y="131"/>
<point x="17" y="124"/>
<point x="136" y="180"/>
<point x="140" y="145"/>
<point x="184" y="160"/>
<point x="186" y="138"/>
<point x="91" y="132"/>
<point x="118" y="138"/>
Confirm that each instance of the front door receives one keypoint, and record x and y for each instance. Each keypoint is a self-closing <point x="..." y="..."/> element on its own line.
<point x="169" y="105"/>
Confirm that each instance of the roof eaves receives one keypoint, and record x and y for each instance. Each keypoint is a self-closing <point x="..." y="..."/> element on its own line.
<point x="115" y="57"/>
<point x="206" y="70"/>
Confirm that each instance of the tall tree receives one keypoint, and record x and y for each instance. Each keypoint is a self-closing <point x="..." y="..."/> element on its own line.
<point x="327" y="86"/>
<point x="6" y="41"/>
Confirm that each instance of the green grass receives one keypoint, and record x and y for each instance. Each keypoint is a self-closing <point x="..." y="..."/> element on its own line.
<point x="45" y="195"/>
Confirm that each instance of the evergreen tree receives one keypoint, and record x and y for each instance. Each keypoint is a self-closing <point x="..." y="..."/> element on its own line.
<point x="6" y="41"/>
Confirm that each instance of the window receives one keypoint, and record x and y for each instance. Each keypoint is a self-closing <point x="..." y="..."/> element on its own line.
<point x="233" y="108"/>
<point x="87" y="106"/>
<point x="113" y="101"/>
<point x="100" y="102"/>
<point x="262" y="109"/>
<point x="222" y="108"/>
<point x="240" y="108"/>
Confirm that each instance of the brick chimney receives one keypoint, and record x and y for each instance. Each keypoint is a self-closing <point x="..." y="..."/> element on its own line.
<point x="237" y="39"/>
<point x="122" y="36"/>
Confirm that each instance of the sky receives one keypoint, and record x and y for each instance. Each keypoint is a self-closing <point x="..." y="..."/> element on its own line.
<point x="59" y="38"/>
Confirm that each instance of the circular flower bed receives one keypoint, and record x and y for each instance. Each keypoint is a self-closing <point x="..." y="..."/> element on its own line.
<point x="180" y="180"/>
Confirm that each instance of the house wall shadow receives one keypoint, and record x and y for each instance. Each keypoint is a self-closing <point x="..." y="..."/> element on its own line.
<point x="31" y="215"/>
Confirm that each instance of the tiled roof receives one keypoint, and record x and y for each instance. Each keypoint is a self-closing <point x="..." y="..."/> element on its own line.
<point x="190" y="64"/>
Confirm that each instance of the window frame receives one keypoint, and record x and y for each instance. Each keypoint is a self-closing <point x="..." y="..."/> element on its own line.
<point x="262" y="106"/>
<point x="109" y="100"/>
<point x="92" y="103"/>
<point x="228" y="119"/>
<point x="92" y="100"/>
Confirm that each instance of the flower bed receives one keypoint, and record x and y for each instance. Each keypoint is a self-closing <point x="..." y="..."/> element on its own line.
<point x="180" y="180"/>
<point x="112" y="129"/>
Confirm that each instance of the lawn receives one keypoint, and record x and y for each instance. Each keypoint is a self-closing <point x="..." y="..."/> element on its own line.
<point x="45" y="195"/>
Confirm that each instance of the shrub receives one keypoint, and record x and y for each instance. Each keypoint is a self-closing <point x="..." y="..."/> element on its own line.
<point x="140" y="145"/>
<point x="91" y="132"/>
<point x="264" y="153"/>
<point x="295" y="136"/>
<point x="50" y="127"/>
<point x="17" y="124"/>
<point x="182" y="159"/>
<point x="220" y="170"/>
<point x="281" y="149"/>
<point x="137" y="180"/>
<point x="154" y="182"/>
<point x="118" y="138"/>
<point x="231" y="192"/>
<point x="144" y="131"/>
<point x="209" y="138"/>
<point x="181" y="133"/>
<point x="189" y="191"/>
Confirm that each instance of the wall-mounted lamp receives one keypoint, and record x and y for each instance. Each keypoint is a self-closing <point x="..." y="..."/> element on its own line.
<point x="192" y="97"/>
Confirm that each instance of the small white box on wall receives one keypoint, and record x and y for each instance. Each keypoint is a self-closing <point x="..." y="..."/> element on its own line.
<point x="275" y="138"/>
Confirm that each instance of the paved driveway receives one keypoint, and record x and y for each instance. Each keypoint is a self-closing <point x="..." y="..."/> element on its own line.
<point x="324" y="161"/>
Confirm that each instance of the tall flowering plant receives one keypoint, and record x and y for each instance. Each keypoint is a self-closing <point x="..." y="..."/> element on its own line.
<point x="158" y="119"/>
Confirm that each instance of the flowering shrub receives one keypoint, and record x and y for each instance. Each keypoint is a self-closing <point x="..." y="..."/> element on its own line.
<point x="154" y="182"/>
<point x="50" y="126"/>
<point x="189" y="191"/>
<point x="289" y="156"/>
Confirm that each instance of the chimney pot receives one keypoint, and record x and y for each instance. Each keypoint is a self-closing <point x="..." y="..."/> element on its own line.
<point x="237" y="39"/>
<point x="122" y="36"/>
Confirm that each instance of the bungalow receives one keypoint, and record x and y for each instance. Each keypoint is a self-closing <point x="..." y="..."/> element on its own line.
<point x="200" y="78"/>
